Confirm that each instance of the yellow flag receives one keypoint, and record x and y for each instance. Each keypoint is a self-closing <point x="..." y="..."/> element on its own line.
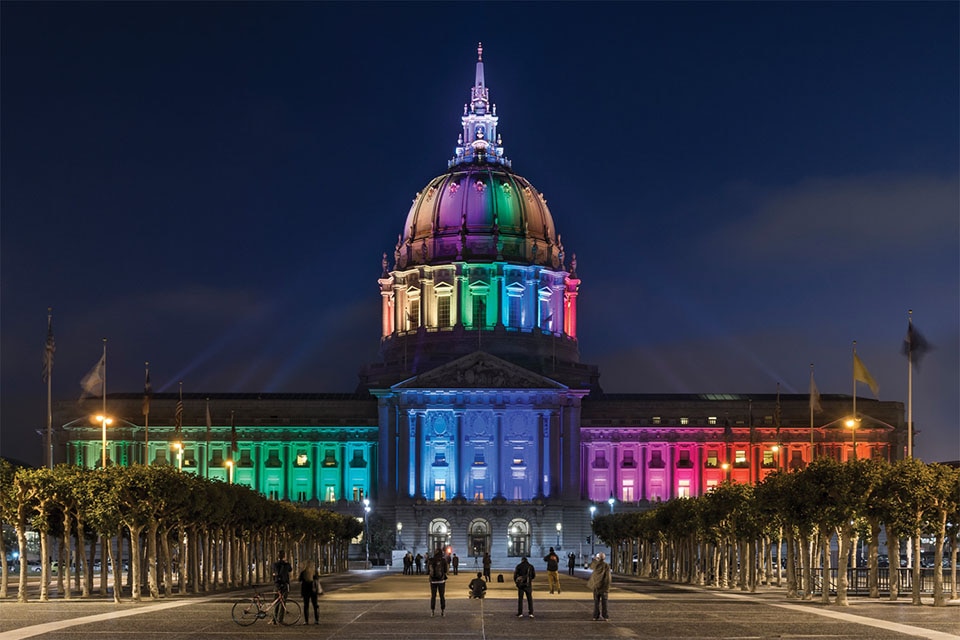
<point x="861" y="374"/>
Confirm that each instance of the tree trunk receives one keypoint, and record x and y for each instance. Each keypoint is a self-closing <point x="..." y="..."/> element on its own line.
<point x="938" y="598"/>
<point x="22" y="545"/>
<point x="791" y="564"/>
<point x="63" y="568"/>
<point x="915" y="591"/>
<point x="44" y="566"/>
<point x="134" y="565"/>
<point x="893" y="553"/>
<point x="845" y="536"/>
<point x="115" y="563"/>
<point x="873" y="551"/>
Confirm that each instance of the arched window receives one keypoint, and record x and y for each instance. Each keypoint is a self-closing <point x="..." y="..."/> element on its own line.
<point x="478" y="536"/>
<point x="439" y="535"/>
<point x="518" y="538"/>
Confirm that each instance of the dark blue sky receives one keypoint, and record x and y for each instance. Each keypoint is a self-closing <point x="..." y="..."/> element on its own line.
<point x="748" y="188"/>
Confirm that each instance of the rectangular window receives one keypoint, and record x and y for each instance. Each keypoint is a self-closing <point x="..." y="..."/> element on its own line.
<point x="656" y="420"/>
<point x="440" y="489"/>
<point x="479" y="310"/>
<point x="712" y="460"/>
<point x="627" y="490"/>
<point x="628" y="460"/>
<point x="329" y="493"/>
<point x="514" y="312"/>
<point x="301" y="496"/>
<point x="443" y="311"/>
<point x="712" y="420"/>
<point x="413" y="314"/>
<point x="684" y="461"/>
<point x="358" y="494"/>
<point x="740" y="458"/>
<point x="329" y="458"/>
<point x="683" y="489"/>
<point x="769" y="459"/>
<point x="684" y="420"/>
<point x="600" y="460"/>
<point x="302" y="460"/>
<point x="656" y="461"/>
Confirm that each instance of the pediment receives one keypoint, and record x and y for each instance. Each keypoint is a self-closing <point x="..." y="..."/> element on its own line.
<point x="479" y="370"/>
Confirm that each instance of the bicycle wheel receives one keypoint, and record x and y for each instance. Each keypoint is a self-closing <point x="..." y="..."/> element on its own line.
<point x="291" y="613"/>
<point x="245" y="612"/>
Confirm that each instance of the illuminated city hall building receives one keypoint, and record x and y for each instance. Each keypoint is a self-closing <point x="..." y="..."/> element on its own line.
<point x="479" y="428"/>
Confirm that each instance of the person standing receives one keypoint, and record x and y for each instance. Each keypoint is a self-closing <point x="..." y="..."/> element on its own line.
<point x="455" y="562"/>
<point x="599" y="582"/>
<point x="309" y="590"/>
<point x="486" y="566"/>
<point x="419" y="562"/>
<point x="571" y="562"/>
<point x="437" y="572"/>
<point x="553" y="570"/>
<point x="523" y="576"/>
<point x="281" y="579"/>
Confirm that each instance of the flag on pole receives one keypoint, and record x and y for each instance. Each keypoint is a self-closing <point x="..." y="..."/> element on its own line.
<point x="861" y="374"/>
<point x="49" y="350"/>
<point x="147" y="391"/>
<point x="915" y="345"/>
<point x="92" y="383"/>
<point x="815" y="406"/>
<point x="178" y="415"/>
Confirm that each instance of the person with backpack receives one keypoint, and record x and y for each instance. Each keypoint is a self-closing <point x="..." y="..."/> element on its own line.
<point x="309" y="589"/>
<point x="437" y="572"/>
<point x="553" y="570"/>
<point x="523" y="576"/>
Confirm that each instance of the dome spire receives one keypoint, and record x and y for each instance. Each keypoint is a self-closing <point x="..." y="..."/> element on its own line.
<point x="479" y="140"/>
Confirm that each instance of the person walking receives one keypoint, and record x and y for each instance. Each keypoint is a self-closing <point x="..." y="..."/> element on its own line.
<point x="437" y="572"/>
<point x="281" y="579"/>
<point x="455" y="563"/>
<point x="523" y="576"/>
<point x="571" y="562"/>
<point x="309" y="590"/>
<point x="553" y="570"/>
<point x="599" y="582"/>
<point x="486" y="566"/>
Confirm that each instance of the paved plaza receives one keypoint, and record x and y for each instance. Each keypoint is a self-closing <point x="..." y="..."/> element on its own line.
<point x="375" y="604"/>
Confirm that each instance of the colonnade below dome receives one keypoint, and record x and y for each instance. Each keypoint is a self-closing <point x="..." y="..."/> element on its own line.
<point x="479" y="296"/>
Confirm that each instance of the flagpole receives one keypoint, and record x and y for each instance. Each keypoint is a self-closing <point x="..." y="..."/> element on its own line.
<point x="146" y="413"/>
<point x="49" y="371"/>
<point x="812" y="456"/>
<point x="103" y="392"/>
<point x="910" y="386"/>
<point x="854" y="379"/>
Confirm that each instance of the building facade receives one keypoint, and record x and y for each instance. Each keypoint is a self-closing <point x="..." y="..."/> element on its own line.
<point x="479" y="429"/>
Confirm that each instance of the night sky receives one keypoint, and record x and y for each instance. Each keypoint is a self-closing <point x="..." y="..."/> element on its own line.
<point x="748" y="188"/>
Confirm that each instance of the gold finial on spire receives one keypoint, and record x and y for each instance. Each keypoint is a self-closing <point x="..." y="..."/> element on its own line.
<point x="479" y="52"/>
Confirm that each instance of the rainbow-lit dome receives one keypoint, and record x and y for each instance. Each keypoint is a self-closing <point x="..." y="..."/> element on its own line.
<point x="480" y="210"/>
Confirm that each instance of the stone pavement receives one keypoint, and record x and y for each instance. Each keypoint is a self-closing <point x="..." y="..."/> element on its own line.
<point x="377" y="604"/>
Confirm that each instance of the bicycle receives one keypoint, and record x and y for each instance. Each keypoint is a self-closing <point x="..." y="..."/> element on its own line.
<point x="249" y="610"/>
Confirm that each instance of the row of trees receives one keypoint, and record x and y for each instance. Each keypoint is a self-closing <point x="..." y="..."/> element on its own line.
<point x="735" y="534"/>
<point x="181" y="531"/>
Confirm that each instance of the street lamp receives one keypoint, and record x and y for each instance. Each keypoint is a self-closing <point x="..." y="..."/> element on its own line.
<point x="593" y="511"/>
<point x="853" y="424"/>
<point x="610" y="501"/>
<point x="104" y="421"/>
<point x="726" y="470"/>
<point x="559" y="529"/>
<point x="229" y="471"/>
<point x="399" y="535"/>
<point x="179" y="447"/>
<point x="366" y="530"/>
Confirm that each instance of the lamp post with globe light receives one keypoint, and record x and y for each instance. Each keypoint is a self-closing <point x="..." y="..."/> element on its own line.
<point x="559" y="529"/>
<point x="611" y="501"/>
<point x="366" y="530"/>
<point x="399" y="535"/>
<point x="593" y="511"/>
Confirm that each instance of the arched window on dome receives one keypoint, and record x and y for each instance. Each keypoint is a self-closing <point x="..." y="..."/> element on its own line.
<point x="546" y="316"/>
<point x="413" y="310"/>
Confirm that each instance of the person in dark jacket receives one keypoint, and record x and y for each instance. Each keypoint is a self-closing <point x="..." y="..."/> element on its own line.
<point x="309" y="590"/>
<point x="571" y="563"/>
<point x="553" y="570"/>
<point x="281" y="580"/>
<point x="599" y="582"/>
<point x="437" y="572"/>
<point x="478" y="586"/>
<point x="486" y="566"/>
<point x="523" y="576"/>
